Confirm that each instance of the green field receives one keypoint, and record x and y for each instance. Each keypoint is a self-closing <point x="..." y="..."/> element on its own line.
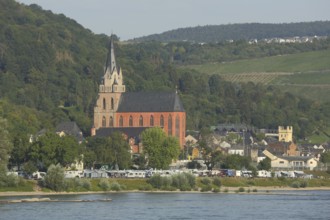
<point x="293" y="63"/>
<point x="304" y="74"/>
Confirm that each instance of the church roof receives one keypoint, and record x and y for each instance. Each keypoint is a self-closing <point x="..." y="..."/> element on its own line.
<point x="129" y="131"/>
<point x="150" y="102"/>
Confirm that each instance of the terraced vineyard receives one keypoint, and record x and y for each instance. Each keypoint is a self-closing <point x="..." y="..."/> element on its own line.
<point x="304" y="74"/>
<point x="263" y="78"/>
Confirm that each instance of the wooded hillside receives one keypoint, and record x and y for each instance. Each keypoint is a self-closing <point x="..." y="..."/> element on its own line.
<point x="248" y="31"/>
<point x="50" y="67"/>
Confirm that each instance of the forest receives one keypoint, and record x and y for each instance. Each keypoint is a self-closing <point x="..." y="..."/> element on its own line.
<point x="247" y="31"/>
<point x="50" y="67"/>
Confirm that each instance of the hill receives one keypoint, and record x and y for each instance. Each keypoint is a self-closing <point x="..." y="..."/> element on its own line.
<point x="295" y="73"/>
<point x="248" y="31"/>
<point x="50" y="67"/>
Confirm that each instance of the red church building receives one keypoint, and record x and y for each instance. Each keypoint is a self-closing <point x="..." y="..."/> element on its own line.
<point x="132" y="112"/>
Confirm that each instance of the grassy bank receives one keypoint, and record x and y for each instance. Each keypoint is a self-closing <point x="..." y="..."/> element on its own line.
<point x="202" y="184"/>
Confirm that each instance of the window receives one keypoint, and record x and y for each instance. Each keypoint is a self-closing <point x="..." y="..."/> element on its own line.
<point x="121" y="121"/>
<point x="169" y="125"/>
<point x="130" y="123"/>
<point x="177" y="126"/>
<point x="104" y="122"/>
<point x="151" y="120"/>
<point x="104" y="104"/>
<point x="141" y="121"/>
<point x="111" y="121"/>
<point x="281" y="161"/>
<point x="161" y="121"/>
<point x="112" y="104"/>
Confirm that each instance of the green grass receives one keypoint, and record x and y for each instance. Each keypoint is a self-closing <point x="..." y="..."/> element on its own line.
<point x="26" y="187"/>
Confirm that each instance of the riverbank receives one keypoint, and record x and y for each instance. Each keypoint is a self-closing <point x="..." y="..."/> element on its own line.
<point x="254" y="189"/>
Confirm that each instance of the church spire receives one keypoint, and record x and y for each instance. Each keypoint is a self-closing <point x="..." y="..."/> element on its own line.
<point x="112" y="80"/>
<point x="110" y="65"/>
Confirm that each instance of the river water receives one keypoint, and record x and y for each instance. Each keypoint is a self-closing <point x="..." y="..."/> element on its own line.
<point x="273" y="205"/>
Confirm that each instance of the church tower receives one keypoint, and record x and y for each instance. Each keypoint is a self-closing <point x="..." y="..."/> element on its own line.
<point x="110" y="91"/>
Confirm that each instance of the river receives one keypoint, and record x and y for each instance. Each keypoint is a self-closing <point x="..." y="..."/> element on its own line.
<point x="270" y="206"/>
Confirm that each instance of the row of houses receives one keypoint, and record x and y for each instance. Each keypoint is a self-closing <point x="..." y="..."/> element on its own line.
<point x="278" y="145"/>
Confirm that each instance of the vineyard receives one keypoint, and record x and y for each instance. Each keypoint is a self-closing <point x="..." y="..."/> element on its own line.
<point x="263" y="78"/>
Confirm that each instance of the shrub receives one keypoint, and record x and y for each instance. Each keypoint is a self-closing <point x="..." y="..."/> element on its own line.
<point x="166" y="182"/>
<point x="254" y="190"/>
<point x="295" y="184"/>
<point x="54" y="179"/>
<point x="115" y="186"/>
<point x="216" y="190"/>
<point x="11" y="180"/>
<point x="206" y="181"/>
<point x="206" y="188"/>
<point x="303" y="184"/>
<point x="155" y="181"/>
<point x="86" y="184"/>
<point x="248" y="190"/>
<point x="225" y="190"/>
<point x="104" y="184"/>
<point x="241" y="189"/>
<point x="181" y="181"/>
<point x="191" y="179"/>
<point x="217" y="181"/>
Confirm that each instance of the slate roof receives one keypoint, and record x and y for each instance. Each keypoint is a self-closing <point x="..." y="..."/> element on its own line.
<point x="129" y="131"/>
<point x="150" y="102"/>
<point x="70" y="128"/>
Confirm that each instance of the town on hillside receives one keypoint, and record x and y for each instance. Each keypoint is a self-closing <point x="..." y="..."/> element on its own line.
<point x="153" y="140"/>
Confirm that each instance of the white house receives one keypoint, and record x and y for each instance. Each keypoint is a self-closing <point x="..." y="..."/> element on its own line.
<point x="291" y="162"/>
<point x="236" y="150"/>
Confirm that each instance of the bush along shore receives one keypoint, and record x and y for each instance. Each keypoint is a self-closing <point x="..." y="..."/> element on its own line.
<point x="182" y="182"/>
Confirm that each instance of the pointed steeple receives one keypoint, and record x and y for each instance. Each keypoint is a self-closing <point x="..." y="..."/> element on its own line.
<point x="110" y="65"/>
<point x="112" y="80"/>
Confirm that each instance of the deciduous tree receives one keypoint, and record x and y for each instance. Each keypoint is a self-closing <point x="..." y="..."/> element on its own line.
<point x="159" y="148"/>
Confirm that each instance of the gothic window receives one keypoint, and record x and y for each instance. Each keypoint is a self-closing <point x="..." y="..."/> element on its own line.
<point x="104" y="122"/>
<point x="121" y="121"/>
<point x="141" y="121"/>
<point x="104" y="104"/>
<point x="151" y="120"/>
<point x="130" y="121"/>
<point x="161" y="121"/>
<point x="111" y="122"/>
<point x="169" y="125"/>
<point x="112" y="104"/>
<point x="177" y="126"/>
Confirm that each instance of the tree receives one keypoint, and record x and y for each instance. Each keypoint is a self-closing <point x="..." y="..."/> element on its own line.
<point x="120" y="148"/>
<point x="159" y="148"/>
<point x="265" y="164"/>
<point x="325" y="158"/>
<point x="5" y="145"/>
<point x="237" y="162"/>
<point x="53" y="149"/>
<point x="112" y="150"/>
<point x="55" y="177"/>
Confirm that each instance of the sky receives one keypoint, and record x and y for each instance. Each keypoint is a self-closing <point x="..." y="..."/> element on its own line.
<point x="129" y="19"/>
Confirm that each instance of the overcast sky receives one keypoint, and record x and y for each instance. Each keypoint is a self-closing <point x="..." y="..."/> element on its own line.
<point x="135" y="18"/>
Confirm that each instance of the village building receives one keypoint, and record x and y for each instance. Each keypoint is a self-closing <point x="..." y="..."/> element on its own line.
<point x="291" y="162"/>
<point x="70" y="128"/>
<point x="132" y="112"/>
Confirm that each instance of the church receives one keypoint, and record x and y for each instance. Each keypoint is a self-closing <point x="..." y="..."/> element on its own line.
<point x="132" y="112"/>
